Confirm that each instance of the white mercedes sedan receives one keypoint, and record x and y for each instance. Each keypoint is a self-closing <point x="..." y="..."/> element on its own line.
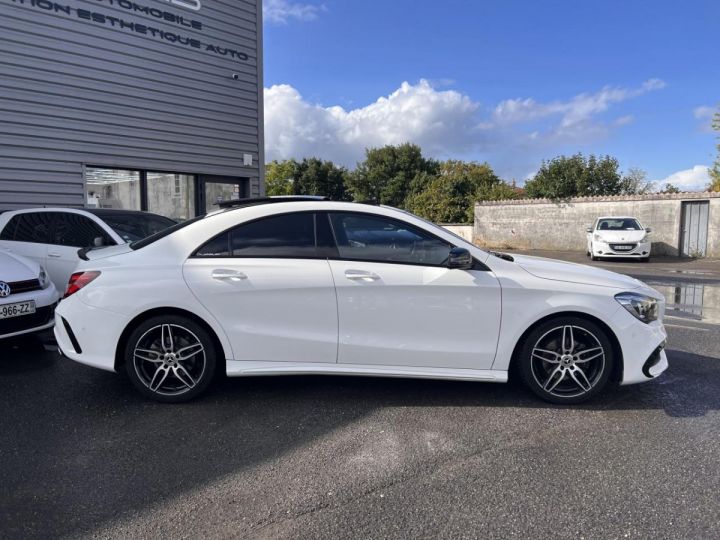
<point x="618" y="236"/>
<point x="300" y="285"/>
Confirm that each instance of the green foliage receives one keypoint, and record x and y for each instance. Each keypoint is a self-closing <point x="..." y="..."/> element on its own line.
<point x="670" y="188"/>
<point x="715" y="170"/>
<point x="311" y="176"/>
<point x="450" y="196"/>
<point x="577" y="176"/>
<point x="388" y="173"/>
<point x="279" y="177"/>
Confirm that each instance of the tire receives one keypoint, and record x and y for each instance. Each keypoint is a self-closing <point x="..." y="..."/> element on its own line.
<point x="170" y="358"/>
<point x="559" y="373"/>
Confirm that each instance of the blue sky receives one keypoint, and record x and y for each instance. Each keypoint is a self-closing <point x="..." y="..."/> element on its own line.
<point x="508" y="82"/>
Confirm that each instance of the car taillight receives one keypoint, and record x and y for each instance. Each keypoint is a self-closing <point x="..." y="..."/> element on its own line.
<point x="78" y="280"/>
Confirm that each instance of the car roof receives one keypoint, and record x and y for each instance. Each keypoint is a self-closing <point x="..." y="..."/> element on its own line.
<point x="618" y="217"/>
<point x="100" y="212"/>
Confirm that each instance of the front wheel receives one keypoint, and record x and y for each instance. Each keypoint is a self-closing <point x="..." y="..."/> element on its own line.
<point x="170" y="359"/>
<point x="567" y="360"/>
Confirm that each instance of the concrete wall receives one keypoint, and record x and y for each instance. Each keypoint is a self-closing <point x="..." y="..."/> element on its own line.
<point x="553" y="225"/>
<point x="463" y="231"/>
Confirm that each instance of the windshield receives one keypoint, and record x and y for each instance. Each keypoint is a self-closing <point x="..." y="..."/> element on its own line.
<point x="619" y="224"/>
<point x="136" y="226"/>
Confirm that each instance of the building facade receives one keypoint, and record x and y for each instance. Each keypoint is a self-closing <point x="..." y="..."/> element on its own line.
<point x="683" y="224"/>
<point x="141" y="104"/>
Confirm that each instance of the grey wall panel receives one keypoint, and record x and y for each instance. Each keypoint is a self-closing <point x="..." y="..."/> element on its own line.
<point x="146" y="84"/>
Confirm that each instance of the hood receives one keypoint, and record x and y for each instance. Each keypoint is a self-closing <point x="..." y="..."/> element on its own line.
<point x="575" y="273"/>
<point x="15" y="267"/>
<point x="621" y="236"/>
<point x="104" y="252"/>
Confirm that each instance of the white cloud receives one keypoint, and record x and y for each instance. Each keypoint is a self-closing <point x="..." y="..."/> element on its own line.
<point x="695" y="179"/>
<point x="705" y="114"/>
<point x="441" y="122"/>
<point x="514" y="135"/>
<point x="281" y="11"/>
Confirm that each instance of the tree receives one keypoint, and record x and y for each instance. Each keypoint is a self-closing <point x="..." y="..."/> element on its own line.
<point x="635" y="182"/>
<point x="564" y="177"/>
<point x="450" y="196"/>
<point x="279" y="177"/>
<point x="311" y="176"/>
<point x="715" y="170"/>
<point x="387" y="174"/>
<point x="670" y="188"/>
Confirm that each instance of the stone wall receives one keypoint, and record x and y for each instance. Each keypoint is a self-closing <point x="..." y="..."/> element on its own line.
<point x="560" y="225"/>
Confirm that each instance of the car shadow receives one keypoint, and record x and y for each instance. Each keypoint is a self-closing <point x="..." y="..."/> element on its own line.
<point x="82" y="447"/>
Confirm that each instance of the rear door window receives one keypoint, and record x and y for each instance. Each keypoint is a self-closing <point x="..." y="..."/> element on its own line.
<point x="280" y="236"/>
<point x="33" y="227"/>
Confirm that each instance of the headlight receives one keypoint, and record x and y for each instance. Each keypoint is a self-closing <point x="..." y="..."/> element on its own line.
<point x="645" y="239"/>
<point x="597" y="237"/>
<point x="644" y="308"/>
<point x="43" y="278"/>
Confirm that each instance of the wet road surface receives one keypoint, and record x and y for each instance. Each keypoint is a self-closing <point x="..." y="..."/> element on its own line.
<point x="82" y="453"/>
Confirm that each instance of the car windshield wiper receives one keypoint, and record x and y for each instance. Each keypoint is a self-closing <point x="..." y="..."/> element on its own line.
<point x="503" y="256"/>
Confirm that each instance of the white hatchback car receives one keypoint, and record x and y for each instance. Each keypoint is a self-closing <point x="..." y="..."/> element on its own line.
<point x="27" y="296"/>
<point x="618" y="236"/>
<point x="52" y="236"/>
<point x="306" y="286"/>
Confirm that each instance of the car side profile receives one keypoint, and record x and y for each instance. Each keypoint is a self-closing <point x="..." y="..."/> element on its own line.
<point x="306" y="286"/>
<point x="52" y="236"/>
<point x="27" y="296"/>
<point x="618" y="236"/>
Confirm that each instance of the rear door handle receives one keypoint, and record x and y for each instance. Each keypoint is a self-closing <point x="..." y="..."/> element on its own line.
<point x="233" y="275"/>
<point x="54" y="254"/>
<point x="361" y="275"/>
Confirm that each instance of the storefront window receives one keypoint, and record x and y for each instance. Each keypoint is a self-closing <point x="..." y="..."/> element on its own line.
<point x="171" y="195"/>
<point x="113" y="188"/>
<point x="216" y="192"/>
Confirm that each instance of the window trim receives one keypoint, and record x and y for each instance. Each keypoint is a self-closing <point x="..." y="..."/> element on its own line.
<point x="317" y="256"/>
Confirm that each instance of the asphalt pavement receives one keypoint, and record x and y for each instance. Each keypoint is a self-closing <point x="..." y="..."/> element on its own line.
<point x="82" y="454"/>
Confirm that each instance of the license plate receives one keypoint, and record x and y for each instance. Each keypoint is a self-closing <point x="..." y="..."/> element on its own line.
<point x="623" y="248"/>
<point x="17" y="310"/>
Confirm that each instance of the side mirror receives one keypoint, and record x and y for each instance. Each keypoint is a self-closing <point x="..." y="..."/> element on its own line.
<point x="460" y="259"/>
<point x="588" y="229"/>
<point x="98" y="241"/>
<point x="648" y="230"/>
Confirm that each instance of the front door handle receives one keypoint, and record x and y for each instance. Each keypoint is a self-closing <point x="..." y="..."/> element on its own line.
<point x="54" y="254"/>
<point x="361" y="275"/>
<point x="233" y="275"/>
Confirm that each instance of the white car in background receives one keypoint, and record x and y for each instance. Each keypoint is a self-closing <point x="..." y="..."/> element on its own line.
<point x="27" y="296"/>
<point x="618" y="236"/>
<point x="52" y="236"/>
<point x="307" y="286"/>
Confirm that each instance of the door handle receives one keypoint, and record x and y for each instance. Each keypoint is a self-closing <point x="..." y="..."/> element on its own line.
<point x="54" y="254"/>
<point x="361" y="275"/>
<point x="228" y="274"/>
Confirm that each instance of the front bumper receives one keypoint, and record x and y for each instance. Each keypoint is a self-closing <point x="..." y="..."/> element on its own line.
<point x="643" y="347"/>
<point x="610" y="249"/>
<point x="42" y="319"/>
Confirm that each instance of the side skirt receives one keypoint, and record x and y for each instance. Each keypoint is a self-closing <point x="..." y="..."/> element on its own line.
<point x="247" y="369"/>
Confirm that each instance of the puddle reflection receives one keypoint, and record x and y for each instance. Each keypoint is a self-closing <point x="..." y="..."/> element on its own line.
<point x="694" y="301"/>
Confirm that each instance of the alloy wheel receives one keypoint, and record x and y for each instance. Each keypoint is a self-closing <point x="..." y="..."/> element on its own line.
<point x="169" y="359"/>
<point x="568" y="361"/>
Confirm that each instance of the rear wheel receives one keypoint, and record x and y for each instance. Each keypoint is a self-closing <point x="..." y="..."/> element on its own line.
<point x="567" y="360"/>
<point x="170" y="358"/>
